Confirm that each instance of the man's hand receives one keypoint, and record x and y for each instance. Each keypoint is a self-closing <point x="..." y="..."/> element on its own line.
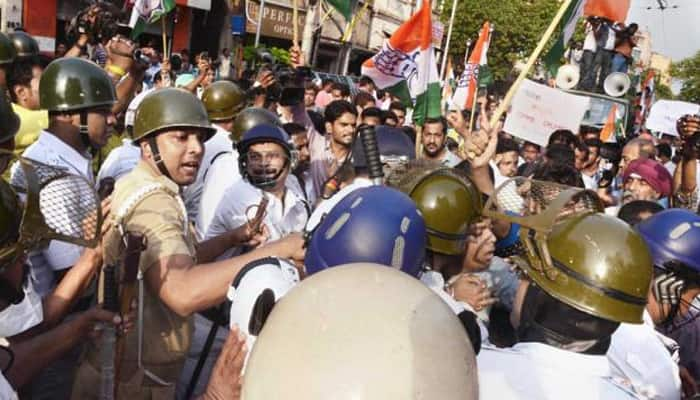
<point x="226" y="378"/>
<point x="203" y="67"/>
<point x="688" y="125"/>
<point x="480" y="147"/>
<point x="296" y="56"/>
<point x="91" y="321"/>
<point x="472" y="290"/>
<point x="245" y="235"/>
<point x="291" y="247"/>
<point x="265" y="79"/>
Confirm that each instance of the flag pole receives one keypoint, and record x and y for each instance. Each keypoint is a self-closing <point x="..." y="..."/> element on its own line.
<point x="466" y="51"/>
<point x="295" y="28"/>
<point x="530" y="62"/>
<point x="476" y="93"/>
<point x="447" y="42"/>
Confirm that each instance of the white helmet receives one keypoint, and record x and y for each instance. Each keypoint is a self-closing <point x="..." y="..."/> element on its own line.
<point x="361" y="332"/>
<point x="254" y="292"/>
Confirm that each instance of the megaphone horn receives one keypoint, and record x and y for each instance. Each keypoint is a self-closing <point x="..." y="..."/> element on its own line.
<point x="617" y="84"/>
<point x="567" y="77"/>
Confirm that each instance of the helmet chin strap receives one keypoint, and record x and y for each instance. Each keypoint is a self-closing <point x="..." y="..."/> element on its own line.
<point x="84" y="134"/>
<point x="265" y="183"/>
<point x="157" y="158"/>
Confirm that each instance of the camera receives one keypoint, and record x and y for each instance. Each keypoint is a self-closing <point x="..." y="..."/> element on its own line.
<point x="100" y="21"/>
<point x="141" y="58"/>
<point x="288" y="89"/>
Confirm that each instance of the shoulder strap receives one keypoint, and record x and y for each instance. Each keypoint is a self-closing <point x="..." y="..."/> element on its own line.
<point x="138" y="196"/>
<point x="221" y="153"/>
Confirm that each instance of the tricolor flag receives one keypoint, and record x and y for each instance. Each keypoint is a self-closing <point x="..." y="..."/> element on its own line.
<point x="406" y="66"/>
<point x="648" y="95"/>
<point x="613" y="127"/>
<point x="474" y="71"/>
<point x="566" y="30"/>
<point x="614" y="10"/>
<point x="147" y="12"/>
<point x="448" y="85"/>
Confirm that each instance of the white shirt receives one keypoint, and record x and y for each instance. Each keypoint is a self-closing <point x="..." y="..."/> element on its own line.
<point x="589" y="42"/>
<point x="6" y="390"/>
<point x="215" y="147"/>
<point x="222" y="174"/>
<point x="120" y="161"/>
<point x="670" y="167"/>
<point x="237" y="206"/>
<point x="589" y="182"/>
<point x="58" y="256"/>
<point x="542" y="372"/>
<point x="639" y="358"/>
<point x="450" y="159"/>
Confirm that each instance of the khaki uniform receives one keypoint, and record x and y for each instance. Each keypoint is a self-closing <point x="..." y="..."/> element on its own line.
<point x="160" y="217"/>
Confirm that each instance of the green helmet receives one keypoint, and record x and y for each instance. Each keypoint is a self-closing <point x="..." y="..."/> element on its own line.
<point x="7" y="50"/>
<point x="9" y="120"/>
<point x="599" y="265"/>
<point x="590" y="261"/>
<point x="448" y="201"/>
<point x="223" y="100"/>
<point x="71" y="84"/>
<point x="10" y="219"/>
<point x="170" y="108"/>
<point x="25" y="45"/>
<point x="250" y="117"/>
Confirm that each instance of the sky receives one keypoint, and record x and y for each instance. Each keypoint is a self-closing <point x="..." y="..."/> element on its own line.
<point x="675" y="32"/>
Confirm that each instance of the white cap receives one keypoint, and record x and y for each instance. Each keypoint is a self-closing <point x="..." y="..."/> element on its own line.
<point x="361" y="332"/>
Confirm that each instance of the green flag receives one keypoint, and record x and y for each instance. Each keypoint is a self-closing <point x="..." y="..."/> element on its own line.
<point x="566" y="30"/>
<point x="344" y="7"/>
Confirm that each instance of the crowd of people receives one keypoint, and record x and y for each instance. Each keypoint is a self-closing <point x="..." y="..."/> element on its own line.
<point x="324" y="246"/>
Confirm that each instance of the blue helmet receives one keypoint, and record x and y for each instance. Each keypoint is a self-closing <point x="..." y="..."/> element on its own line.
<point x="374" y="224"/>
<point x="394" y="146"/>
<point x="264" y="133"/>
<point x="673" y="236"/>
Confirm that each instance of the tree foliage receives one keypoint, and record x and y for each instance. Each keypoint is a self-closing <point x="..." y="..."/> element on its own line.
<point x="688" y="71"/>
<point x="519" y="25"/>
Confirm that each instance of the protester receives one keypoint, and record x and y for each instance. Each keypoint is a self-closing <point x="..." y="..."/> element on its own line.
<point x="434" y="137"/>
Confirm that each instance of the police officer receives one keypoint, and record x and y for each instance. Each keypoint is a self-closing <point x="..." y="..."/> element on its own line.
<point x="171" y="126"/>
<point x="21" y="308"/>
<point x="223" y="100"/>
<point x="673" y="236"/>
<point x="265" y="161"/>
<point x="361" y="331"/>
<point x="223" y="169"/>
<point x="9" y="125"/>
<point x="582" y="276"/>
<point x="7" y="57"/>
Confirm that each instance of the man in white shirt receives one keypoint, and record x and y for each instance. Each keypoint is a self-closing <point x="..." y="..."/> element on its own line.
<point x="265" y="162"/>
<point x="223" y="100"/>
<point x="566" y="310"/>
<point x="222" y="170"/>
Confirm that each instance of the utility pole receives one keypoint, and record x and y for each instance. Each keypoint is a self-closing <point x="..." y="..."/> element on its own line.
<point x="261" y="9"/>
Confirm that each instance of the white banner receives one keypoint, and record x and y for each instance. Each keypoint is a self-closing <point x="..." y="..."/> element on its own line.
<point x="664" y="114"/>
<point x="538" y="110"/>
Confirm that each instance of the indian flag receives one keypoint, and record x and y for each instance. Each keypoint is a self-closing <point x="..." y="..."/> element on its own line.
<point x="613" y="127"/>
<point x="406" y="66"/>
<point x="471" y="78"/>
<point x="147" y="12"/>
<point x="566" y="30"/>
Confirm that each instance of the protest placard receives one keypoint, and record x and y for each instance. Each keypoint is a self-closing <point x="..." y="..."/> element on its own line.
<point x="538" y="110"/>
<point x="664" y="114"/>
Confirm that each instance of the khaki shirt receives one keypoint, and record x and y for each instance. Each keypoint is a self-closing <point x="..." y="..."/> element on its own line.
<point x="160" y="217"/>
